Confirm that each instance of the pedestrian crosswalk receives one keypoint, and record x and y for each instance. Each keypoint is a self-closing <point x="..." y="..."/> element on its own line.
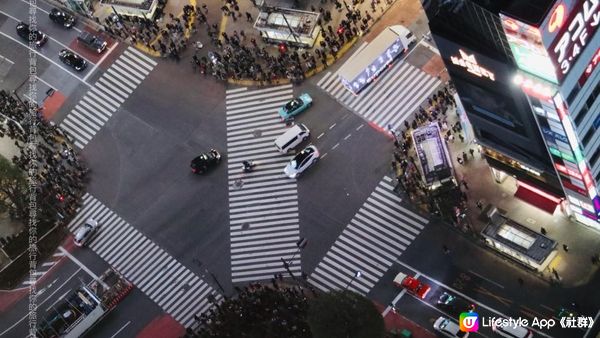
<point x="391" y="99"/>
<point x="176" y="289"/>
<point x="107" y="95"/>
<point x="263" y="204"/>
<point x="377" y="235"/>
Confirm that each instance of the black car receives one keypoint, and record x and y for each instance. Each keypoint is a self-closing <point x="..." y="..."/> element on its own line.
<point x="38" y="37"/>
<point x="205" y="161"/>
<point x="72" y="60"/>
<point x="92" y="41"/>
<point x="62" y="18"/>
<point x="453" y="304"/>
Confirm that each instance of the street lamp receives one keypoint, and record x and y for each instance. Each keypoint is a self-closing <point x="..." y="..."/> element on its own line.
<point x="357" y="274"/>
<point x="301" y="244"/>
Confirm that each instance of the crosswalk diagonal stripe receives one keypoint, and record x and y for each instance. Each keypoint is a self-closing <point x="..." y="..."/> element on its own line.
<point x="113" y="93"/>
<point x="110" y="99"/>
<point x="133" y="66"/>
<point x="365" y="262"/>
<point x="235" y="103"/>
<point x="324" y="80"/>
<point x="278" y="99"/>
<point x="139" y="63"/>
<point x="428" y="90"/>
<point x="396" y="80"/>
<point x="97" y="101"/>
<point x="401" y="103"/>
<point x="126" y="82"/>
<point x="87" y="134"/>
<point x="111" y="81"/>
<point x="84" y="106"/>
<point x="147" y="62"/>
<point x="85" y="121"/>
<point x="119" y="69"/>
<point x="259" y="91"/>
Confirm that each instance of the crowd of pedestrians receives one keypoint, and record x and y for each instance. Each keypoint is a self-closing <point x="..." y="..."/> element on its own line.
<point x="257" y="311"/>
<point x="60" y="174"/>
<point x="168" y="39"/>
<point x="404" y="165"/>
<point x="238" y="56"/>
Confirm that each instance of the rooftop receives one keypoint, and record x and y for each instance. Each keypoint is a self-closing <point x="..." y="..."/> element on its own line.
<point x="301" y="22"/>
<point x="519" y="238"/>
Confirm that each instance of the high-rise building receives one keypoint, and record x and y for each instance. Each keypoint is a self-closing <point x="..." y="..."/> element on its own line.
<point x="527" y="76"/>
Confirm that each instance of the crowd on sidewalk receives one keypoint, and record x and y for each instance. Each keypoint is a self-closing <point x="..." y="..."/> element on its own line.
<point x="60" y="172"/>
<point x="167" y="38"/>
<point x="240" y="57"/>
<point x="404" y="165"/>
<point x="283" y="307"/>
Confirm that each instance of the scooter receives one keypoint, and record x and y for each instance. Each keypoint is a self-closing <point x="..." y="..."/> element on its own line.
<point x="248" y="166"/>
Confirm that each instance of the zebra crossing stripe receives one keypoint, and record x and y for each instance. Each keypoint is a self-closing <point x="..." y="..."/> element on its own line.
<point x="228" y="92"/>
<point x="106" y="96"/>
<point x="145" y="264"/>
<point x="391" y="99"/>
<point x="371" y="242"/>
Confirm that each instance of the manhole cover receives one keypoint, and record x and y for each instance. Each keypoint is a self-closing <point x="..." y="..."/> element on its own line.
<point x="245" y="226"/>
<point x="530" y="220"/>
<point x="257" y="133"/>
<point x="237" y="184"/>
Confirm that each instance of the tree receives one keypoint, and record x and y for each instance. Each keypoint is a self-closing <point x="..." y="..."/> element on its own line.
<point x="344" y="314"/>
<point x="13" y="190"/>
<point x="258" y="311"/>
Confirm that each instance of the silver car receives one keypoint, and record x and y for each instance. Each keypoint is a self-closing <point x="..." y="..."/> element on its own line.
<point x="302" y="161"/>
<point x="86" y="232"/>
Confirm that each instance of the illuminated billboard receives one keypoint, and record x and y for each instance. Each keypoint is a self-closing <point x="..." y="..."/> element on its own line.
<point x="571" y="33"/>
<point x="525" y="42"/>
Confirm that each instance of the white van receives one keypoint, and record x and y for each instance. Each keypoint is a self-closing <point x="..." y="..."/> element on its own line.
<point x="292" y="137"/>
<point x="512" y="332"/>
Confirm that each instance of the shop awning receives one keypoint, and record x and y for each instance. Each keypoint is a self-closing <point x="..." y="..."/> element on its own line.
<point x="539" y="199"/>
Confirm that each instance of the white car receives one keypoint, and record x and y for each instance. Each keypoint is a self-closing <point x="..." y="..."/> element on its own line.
<point x="449" y="328"/>
<point x="302" y="161"/>
<point x="86" y="232"/>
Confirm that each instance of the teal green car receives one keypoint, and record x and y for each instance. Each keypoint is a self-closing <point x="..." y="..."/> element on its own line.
<point x="295" y="107"/>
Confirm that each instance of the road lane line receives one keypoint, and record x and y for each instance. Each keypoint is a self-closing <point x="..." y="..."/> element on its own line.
<point x="486" y="279"/>
<point x="335" y="146"/>
<point x="465" y="296"/>
<point x="40" y="304"/>
<point x="110" y="50"/>
<point x="58" y="299"/>
<point x="332" y="126"/>
<point x="359" y="127"/>
<point x="47" y="58"/>
<point x="595" y="320"/>
<point x="49" y="37"/>
<point x="83" y="267"/>
<point x="347" y="137"/>
<point x="121" y="329"/>
<point x="321" y="135"/>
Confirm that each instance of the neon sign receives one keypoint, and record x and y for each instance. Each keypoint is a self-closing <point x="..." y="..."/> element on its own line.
<point x="590" y="68"/>
<point x="470" y="63"/>
<point x="533" y="88"/>
<point x="574" y="36"/>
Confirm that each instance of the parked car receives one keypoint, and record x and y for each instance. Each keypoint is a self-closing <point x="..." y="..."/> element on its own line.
<point x="302" y="161"/>
<point x="205" y="161"/>
<point x="72" y="60"/>
<point x="62" y="18"/>
<point x="92" y="41"/>
<point x="38" y="37"/>
<point x="295" y="106"/>
<point x="412" y="285"/>
<point x="86" y="232"/>
<point x="449" y="328"/>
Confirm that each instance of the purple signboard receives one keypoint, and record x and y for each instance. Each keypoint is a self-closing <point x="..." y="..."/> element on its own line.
<point x="431" y="150"/>
<point x="375" y="68"/>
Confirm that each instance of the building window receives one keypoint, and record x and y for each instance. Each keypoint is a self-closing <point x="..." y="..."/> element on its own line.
<point x="594" y="157"/>
<point x="588" y="103"/>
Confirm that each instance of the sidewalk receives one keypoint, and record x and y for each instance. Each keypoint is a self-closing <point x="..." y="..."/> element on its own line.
<point x="395" y="323"/>
<point x="574" y="267"/>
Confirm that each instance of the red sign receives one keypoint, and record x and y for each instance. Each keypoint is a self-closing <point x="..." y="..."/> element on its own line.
<point x="574" y="34"/>
<point x="590" y="68"/>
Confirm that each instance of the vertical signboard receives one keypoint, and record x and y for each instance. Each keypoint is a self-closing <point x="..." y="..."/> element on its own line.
<point x="567" y="32"/>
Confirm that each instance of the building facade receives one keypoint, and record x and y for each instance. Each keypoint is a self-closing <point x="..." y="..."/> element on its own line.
<point x="526" y="73"/>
